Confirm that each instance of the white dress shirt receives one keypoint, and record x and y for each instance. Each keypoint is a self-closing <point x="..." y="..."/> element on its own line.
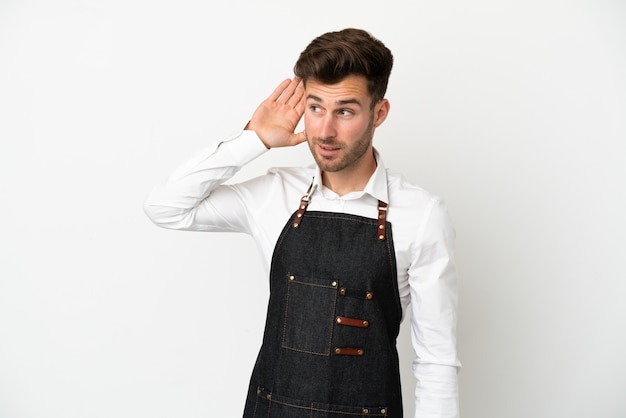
<point x="195" y="197"/>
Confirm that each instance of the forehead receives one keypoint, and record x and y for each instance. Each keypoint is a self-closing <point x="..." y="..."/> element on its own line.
<point x="352" y="89"/>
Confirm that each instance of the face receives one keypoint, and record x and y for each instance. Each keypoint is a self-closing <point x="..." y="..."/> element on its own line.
<point x="339" y="123"/>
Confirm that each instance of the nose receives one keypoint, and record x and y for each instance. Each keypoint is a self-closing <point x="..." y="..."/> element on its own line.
<point x="327" y="127"/>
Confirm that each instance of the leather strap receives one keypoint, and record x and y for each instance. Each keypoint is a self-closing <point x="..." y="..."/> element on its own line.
<point x="300" y="213"/>
<point x="348" y="351"/>
<point x="304" y="202"/>
<point x="352" y="322"/>
<point x="382" y="220"/>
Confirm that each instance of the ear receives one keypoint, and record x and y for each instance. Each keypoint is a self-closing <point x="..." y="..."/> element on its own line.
<point x="381" y="110"/>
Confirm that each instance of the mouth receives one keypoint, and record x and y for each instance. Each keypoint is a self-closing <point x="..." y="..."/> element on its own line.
<point x="328" y="150"/>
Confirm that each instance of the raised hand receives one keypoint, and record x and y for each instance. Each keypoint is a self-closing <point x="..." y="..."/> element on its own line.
<point x="276" y="118"/>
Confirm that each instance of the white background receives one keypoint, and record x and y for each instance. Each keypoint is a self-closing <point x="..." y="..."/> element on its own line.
<point x="513" y="111"/>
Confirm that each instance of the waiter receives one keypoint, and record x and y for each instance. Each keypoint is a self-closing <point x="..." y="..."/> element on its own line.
<point x="348" y="244"/>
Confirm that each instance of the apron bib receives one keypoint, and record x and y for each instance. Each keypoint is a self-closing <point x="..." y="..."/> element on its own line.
<point x="329" y="346"/>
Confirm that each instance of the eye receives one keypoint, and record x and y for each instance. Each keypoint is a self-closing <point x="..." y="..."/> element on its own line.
<point x="315" y="108"/>
<point x="345" y="112"/>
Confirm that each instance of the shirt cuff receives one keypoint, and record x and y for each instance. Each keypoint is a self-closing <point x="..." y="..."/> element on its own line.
<point x="244" y="146"/>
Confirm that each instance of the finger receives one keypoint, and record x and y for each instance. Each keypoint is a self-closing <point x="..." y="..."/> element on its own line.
<point x="301" y="104"/>
<point x="296" y="94"/>
<point x="289" y="90"/>
<point x="278" y="91"/>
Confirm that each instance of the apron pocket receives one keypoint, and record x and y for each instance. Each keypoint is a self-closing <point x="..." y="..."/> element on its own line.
<point x="309" y="314"/>
<point x="271" y="405"/>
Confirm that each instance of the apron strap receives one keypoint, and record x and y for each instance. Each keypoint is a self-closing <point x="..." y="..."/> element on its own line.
<point x="304" y="202"/>
<point x="382" y="213"/>
<point x="382" y="220"/>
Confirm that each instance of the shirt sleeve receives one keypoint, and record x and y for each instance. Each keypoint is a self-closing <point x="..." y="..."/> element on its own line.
<point x="194" y="196"/>
<point x="434" y="299"/>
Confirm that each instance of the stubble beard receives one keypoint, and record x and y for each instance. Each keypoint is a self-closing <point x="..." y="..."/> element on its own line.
<point x="347" y="157"/>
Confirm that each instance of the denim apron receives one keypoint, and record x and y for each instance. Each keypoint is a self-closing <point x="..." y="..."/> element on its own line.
<point x="329" y="347"/>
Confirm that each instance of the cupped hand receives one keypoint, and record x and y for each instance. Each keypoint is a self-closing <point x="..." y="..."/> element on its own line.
<point x="276" y="118"/>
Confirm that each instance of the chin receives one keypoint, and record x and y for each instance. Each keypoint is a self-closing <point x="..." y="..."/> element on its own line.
<point x="329" y="166"/>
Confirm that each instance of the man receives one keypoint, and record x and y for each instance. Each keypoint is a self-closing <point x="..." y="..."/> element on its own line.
<point x="348" y="244"/>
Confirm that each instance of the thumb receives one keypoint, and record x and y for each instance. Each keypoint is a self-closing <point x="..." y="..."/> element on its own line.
<point x="299" y="138"/>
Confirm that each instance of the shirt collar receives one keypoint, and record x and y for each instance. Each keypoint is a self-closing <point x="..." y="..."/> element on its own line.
<point x="375" y="187"/>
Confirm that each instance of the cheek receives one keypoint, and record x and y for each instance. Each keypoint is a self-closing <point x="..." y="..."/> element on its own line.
<point x="356" y="129"/>
<point x="309" y="123"/>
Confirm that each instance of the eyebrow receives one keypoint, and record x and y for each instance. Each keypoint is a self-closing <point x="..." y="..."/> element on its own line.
<point x="338" y="102"/>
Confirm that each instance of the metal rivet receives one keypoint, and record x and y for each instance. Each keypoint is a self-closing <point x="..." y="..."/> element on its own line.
<point x="366" y="324"/>
<point x="342" y="291"/>
<point x="291" y="277"/>
<point x="369" y="296"/>
<point x="359" y="352"/>
<point x="337" y="350"/>
<point x="302" y="207"/>
<point x="299" y="215"/>
<point x="380" y="237"/>
<point x="295" y="224"/>
<point x="381" y="227"/>
<point x="383" y="411"/>
<point x="338" y="320"/>
<point x="366" y="411"/>
<point x="334" y="284"/>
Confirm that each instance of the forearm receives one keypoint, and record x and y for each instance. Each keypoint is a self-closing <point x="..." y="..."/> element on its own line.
<point x="434" y="300"/>
<point x="190" y="199"/>
<point x="436" y="367"/>
<point x="433" y="334"/>
<point x="436" y="391"/>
